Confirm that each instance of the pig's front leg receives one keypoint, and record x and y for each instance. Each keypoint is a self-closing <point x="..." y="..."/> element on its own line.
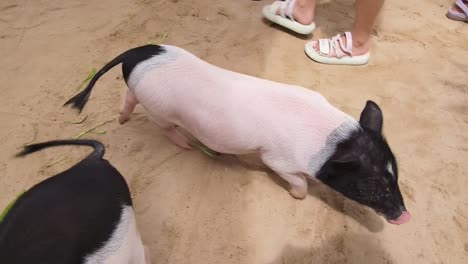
<point x="128" y="107"/>
<point x="297" y="181"/>
<point x="147" y="256"/>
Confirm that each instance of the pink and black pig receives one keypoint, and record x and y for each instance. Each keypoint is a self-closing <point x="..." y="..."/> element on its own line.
<point x="82" y="215"/>
<point x="296" y="131"/>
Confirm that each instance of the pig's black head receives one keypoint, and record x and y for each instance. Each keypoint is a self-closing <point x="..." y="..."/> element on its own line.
<point x="364" y="169"/>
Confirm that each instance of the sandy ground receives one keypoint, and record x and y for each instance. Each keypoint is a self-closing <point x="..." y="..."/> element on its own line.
<point x="193" y="209"/>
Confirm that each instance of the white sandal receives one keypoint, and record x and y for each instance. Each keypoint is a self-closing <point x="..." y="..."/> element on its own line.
<point x="343" y="56"/>
<point x="454" y="15"/>
<point x="280" y="12"/>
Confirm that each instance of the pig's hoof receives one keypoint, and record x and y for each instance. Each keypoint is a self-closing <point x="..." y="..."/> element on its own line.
<point x="184" y="145"/>
<point x="187" y="147"/>
<point x="123" y="119"/>
<point x="298" y="194"/>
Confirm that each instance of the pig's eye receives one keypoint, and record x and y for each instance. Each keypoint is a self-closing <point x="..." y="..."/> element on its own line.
<point x="387" y="192"/>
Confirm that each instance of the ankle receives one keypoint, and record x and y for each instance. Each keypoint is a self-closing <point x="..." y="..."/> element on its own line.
<point x="360" y="47"/>
<point x="361" y="40"/>
<point x="303" y="15"/>
<point x="357" y="43"/>
<point x="303" y="12"/>
<point x="304" y="4"/>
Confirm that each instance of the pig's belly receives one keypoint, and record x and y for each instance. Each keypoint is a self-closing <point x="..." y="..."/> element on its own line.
<point x="217" y="131"/>
<point x="124" y="246"/>
<point x="222" y="133"/>
<point x="226" y="143"/>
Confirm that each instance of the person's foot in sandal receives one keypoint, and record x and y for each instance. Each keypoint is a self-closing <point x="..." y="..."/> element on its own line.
<point x="296" y="15"/>
<point x="350" y="48"/>
<point x="338" y="50"/>
<point x="459" y="11"/>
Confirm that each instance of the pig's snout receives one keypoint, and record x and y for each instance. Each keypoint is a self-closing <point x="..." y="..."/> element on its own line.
<point x="403" y="218"/>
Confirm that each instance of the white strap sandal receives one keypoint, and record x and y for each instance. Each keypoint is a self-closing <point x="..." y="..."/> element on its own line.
<point x="343" y="51"/>
<point x="454" y="15"/>
<point x="280" y="12"/>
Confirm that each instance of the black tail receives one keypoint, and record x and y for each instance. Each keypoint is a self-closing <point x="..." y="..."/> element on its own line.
<point x="131" y="57"/>
<point x="78" y="101"/>
<point x="98" y="152"/>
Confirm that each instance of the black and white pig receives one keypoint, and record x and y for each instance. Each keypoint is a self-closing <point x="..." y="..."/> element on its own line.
<point x="296" y="131"/>
<point x="82" y="215"/>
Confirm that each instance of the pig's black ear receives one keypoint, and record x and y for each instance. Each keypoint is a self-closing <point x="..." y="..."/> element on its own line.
<point x="371" y="117"/>
<point x="338" y="168"/>
<point x="344" y="162"/>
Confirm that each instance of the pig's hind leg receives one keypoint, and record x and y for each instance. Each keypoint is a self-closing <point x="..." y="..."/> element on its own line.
<point x="176" y="137"/>
<point x="170" y="130"/>
<point x="128" y="107"/>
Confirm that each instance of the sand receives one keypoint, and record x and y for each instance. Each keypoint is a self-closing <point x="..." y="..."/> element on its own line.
<point x="194" y="209"/>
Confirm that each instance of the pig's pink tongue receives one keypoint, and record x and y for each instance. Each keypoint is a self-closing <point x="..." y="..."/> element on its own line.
<point x="404" y="217"/>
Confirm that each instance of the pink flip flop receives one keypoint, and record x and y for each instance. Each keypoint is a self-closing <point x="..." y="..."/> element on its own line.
<point x="454" y="15"/>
